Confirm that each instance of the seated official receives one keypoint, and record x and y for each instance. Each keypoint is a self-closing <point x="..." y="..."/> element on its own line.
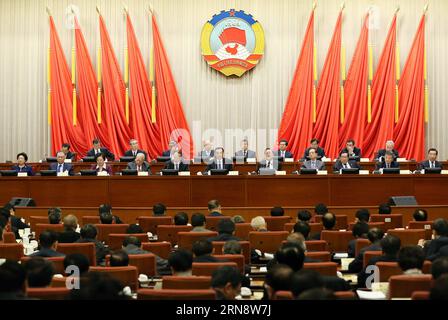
<point x="219" y="162"/>
<point x="344" y="162"/>
<point x="313" y="162"/>
<point x="314" y="145"/>
<point x="140" y="164"/>
<point x="420" y="215"/>
<point x="101" y="165"/>
<point x="21" y="165"/>
<point x="431" y="161"/>
<point x="172" y="147"/>
<point x="207" y="152"/>
<point x="269" y="161"/>
<point x="202" y="251"/>
<point x="245" y="152"/>
<point x="68" y="154"/>
<point x="388" y="162"/>
<point x="374" y="235"/>
<point x="389" y="147"/>
<point x="134" y="149"/>
<point x="97" y="149"/>
<point x="351" y="149"/>
<point x="177" y="162"/>
<point x="282" y="152"/>
<point x="69" y="235"/>
<point x="226" y="231"/>
<point x="48" y="241"/>
<point x="60" y="166"/>
<point x="214" y="208"/>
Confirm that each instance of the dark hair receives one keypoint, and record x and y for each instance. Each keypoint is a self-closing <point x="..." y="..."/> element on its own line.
<point x="47" y="239"/>
<point x="315" y="140"/>
<point x="317" y="294"/>
<point x="304" y="215"/>
<point x="439" y="267"/>
<point x="119" y="258"/>
<point x="292" y="255"/>
<point x="54" y="217"/>
<point x="99" y="286"/>
<point x="439" y="290"/>
<point x="198" y="219"/>
<point x="132" y="240"/>
<point x="420" y="215"/>
<point x="384" y="208"/>
<point x="181" y="219"/>
<point x="12" y="276"/>
<point x="202" y="247"/>
<point x="389" y="153"/>
<point x="66" y="145"/>
<point x="433" y="149"/>
<point x="390" y="245"/>
<point x="440" y="226"/>
<point x="95" y="141"/>
<point x="134" y="228"/>
<point x="39" y="272"/>
<point x="213" y="204"/>
<point x="329" y="221"/>
<point x="363" y="215"/>
<point x="101" y="154"/>
<point x="360" y="229"/>
<point x="25" y="156"/>
<point x="181" y="260"/>
<point x="159" y="209"/>
<point x="224" y="275"/>
<point x="285" y="141"/>
<point x="304" y="280"/>
<point x="303" y="228"/>
<point x="219" y="148"/>
<point x="350" y="141"/>
<point x="106" y="218"/>
<point x="411" y="257"/>
<point x="279" y="277"/>
<point x="226" y="226"/>
<point x="79" y="260"/>
<point x="88" y="231"/>
<point x="320" y="209"/>
<point x="105" y="208"/>
<point x="375" y="234"/>
<point x="54" y="210"/>
<point x="277" y="211"/>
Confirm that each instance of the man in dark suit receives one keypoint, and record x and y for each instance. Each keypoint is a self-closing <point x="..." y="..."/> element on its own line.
<point x="440" y="231"/>
<point x="431" y="162"/>
<point x="389" y="147"/>
<point x="245" y="152"/>
<point x="172" y="147"/>
<point x="60" y="166"/>
<point x="140" y="164"/>
<point x="177" y="163"/>
<point x="359" y="231"/>
<point x="388" y="162"/>
<point x="282" y="152"/>
<point x="226" y="231"/>
<point x="48" y="242"/>
<point x="314" y="145"/>
<point x="207" y="152"/>
<point x="97" y="149"/>
<point x="374" y="235"/>
<point x="68" y="154"/>
<point x="351" y="149"/>
<point x="313" y="162"/>
<point x="269" y="161"/>
<point x="219" y="162"/>
<point x="88" y="235"/>
<point x="344" y="162"/>
<point x="69" y="235"/>
<point x="202" y="250"/>
<point x="214" y="208"/>
<point x="134" y="150"/>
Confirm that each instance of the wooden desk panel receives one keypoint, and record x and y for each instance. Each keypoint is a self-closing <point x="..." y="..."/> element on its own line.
<point x="13" y="187"/>
<point x="229" y="190"/>
<point x="431" y="189"/>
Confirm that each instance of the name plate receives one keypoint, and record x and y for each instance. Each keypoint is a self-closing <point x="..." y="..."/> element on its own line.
<point x="184" y="173"/>
<point x="405" y="171"/>
<point x="63" y="174"/>
<point x="280" y="173"/>
<point x="251" y="160"/>
<point x="401" y="160"/>
<point x="326" y="160"/>
<point x="364" y="159"/>
<point x="427" y="227"/>
<point x="102" y="174"/>
<point x="68" y="161"/>
<point x="22" y="174"/>
<point x="322" y="172"/>
<point x="444" y="172"/>
<point x="288" y="160"/>
<point x="143" y="173"/>
<point x="233" y="173"/>
<point x="387" y="220"/>
<point x="365" y="172"/>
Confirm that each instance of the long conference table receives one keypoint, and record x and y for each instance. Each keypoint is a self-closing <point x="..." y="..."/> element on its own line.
<point x="232" y="191"/>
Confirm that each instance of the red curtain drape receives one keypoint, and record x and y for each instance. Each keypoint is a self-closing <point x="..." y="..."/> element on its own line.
<point x="355" y="90"/>
<point x="144" y="130"/>
<point x="62" y="128"/>
<point x="114" y="89"/>
<point x="328" y="96"/>
<point x="381" y="128"/>
<point x="170" y="115"/>
<point x="297" y="123"/>
<point x="409" y="133"/>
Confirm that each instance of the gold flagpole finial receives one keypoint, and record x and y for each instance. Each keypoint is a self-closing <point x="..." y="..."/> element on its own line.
<point x="314" y="5"/>
<point x="425" y="9"/>
<point x="342" y="6"/>
<point x="125" y="8"/>
<point x="48" y="11"/>
<point x="98" y="10"/>
<point x="397" y="9"/>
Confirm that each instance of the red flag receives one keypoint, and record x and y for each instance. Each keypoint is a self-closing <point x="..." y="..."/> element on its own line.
<point x="328" y="96"/>
<point x="409" y="133"/>
<point x="62" y="128"/>
<point x="118" y="130"/>
<point x="381" y="128"/>
<point x="170" y="115"/>
<point x="355" y="89"/>
<point x="297" y="123"/>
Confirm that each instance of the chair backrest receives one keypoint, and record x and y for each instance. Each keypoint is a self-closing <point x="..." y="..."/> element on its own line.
<point x="369" y="255"/>
<point x="242" y="230"/>
<point x="337" y="240"/>
<point x="41" y="227"/>
<point x="341" y="221"/>
<point x="58" y="263"/>
<point x="105" y="229"/>
<point x="316" y="245"/>
<point x="323" y="256"/>
<point x="61" y="282"/>
<point x="403" y="286"/>
<point x="345" y="295"/>
<point x="276" y="223"/>
<point x="237" y="258"/>
<point x="87" y="249"/>
<point x="128" y="276"/>
<point x="379" y="225"/>
<point x="268" y="241"/>
<point x="211" y="222"/>
<point x="172" y="294"/>
<point x="33" y="220"/>
<point x="391" y="221"/>
<point x="145" y="263"/>
<point x="245" y="249"/>
<point x="425" y="225"/>
<point x="161" y="249"/>
<point x="115" y="241"/>
<point x="409" y="237"/>
<point x="420" y="295"/>
<point x="185" y="283"/>
<point x="48" y="293"/>
<point x="9" y="237"/>
<point x="324" y="268"/>
<point x="361" y="243"/>
<point x="169" y="232"/>
<point x="11" y="251"/>
<point x="387" y="270"/>
<point x="283" y="295"/>
<point x="149" y="224"/>
<point x="90" y="220"/>
<point x="186" y="239"/>
<point x="206" y="268"/>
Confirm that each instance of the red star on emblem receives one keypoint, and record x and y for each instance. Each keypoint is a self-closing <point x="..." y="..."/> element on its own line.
<point x="232" y="13"/>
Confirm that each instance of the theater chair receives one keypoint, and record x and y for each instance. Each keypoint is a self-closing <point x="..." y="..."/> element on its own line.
<point x="90" y="220"/>
<point x="242" y="230"/>
<point x="185" y="283"/>
<point x="128" y="276"/>
<point x="60" y="282"/>
<point x="186" y="239"/>
<point x="391" y="221"/>
<point x="323" y="256"/>
<point x="345" y="295"/>
<point x="408" y="237"/>
<point x="425" y="225"/>
<point x="389" y="269"/>
<point x="337" y="240"/>
<point x="403" y="286"/>
<point x="207" y="268"/>
<point x="149" y="224"/>
<point x="211" y="222"/>
<point x="276" y="223"/>
<point x="115" y="241"/>
<point x="169" y="232"/>
<point x="369" y="255"/>
<point x="314" y="227"/>
<point x="341" y="221"/>
<point x="161" y="249"/>
<point x="420" y="295"/>
<point x="324" y="268"/>
<point x="316" y="245"/>
<point x="11" y="251"/>
<point x="283" y="295"/>
<point x="58" y="263"/>
<point x="48" y="293"/>
<point x="379" y="225"/>
<point x="87" y="249"/>
<point x="237" y="258"/>
<point x="170" y="294"/>
<point x="268" y="241"/>
<point x="245" y="247"/>
<point x="360" y="244"/>
<point x="33" y="220"/>
<point x="41" y="227"/>
<point x="105" y="229"/>
<point x="145" y="263"/>
<point x="9" y="237"/>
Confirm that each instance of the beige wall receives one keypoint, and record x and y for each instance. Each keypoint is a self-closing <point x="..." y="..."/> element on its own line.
<point x="255" y="101"/>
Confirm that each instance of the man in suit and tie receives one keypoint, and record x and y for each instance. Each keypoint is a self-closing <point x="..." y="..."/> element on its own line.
<point x="214" y="208"/>
<point x="344" y="162"/>
<point x="68" y="154"/>
<point x="172" y="147"/>
<point x="134" y="149"/>
<point x="388" y="162"/>
<point x="219" y="162"/>
<point x="269" y="161"/>
<point x="207" y="152"/>
<point x="139" y="164"/>
<point x="282" y="152"/>
<point x="245" y="152"/>
<point x="177" y="163"/>
<point x="314" y="145"/>
<point x="313" y="163"/>
<point x="432" y="160"/>
<point x="60" y="166"/>
<point x="389" y="147"/>
<point x="97" y="149"/>
<point x="351" y="149"/>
